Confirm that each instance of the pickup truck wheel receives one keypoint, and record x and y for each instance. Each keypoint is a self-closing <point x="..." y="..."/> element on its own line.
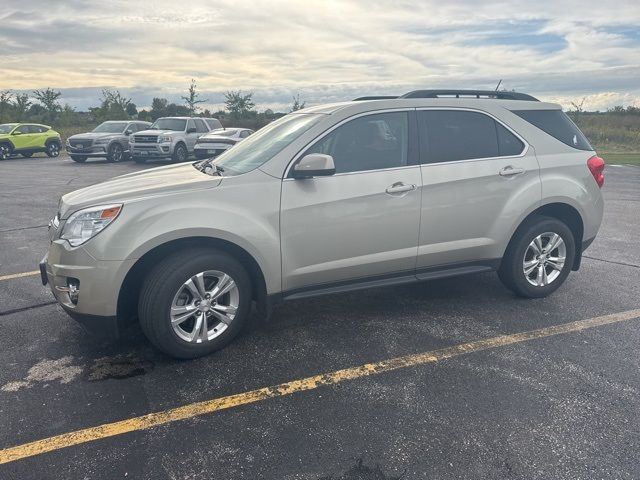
<point x="180" y="153"/>
<point x="194" y="302"/>
<point x="78" y="158"/>
<point x="52" y="149"/>
<point x="5" y="151"/>
<point x="116" y="153"/>
<point x="539" y="258"/>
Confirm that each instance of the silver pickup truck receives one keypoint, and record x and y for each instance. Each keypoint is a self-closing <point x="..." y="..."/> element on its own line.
<point x="170" y="137"/>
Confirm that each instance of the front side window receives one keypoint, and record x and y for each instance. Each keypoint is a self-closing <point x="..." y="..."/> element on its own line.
<point x="201" y="127"/>
<point x="7" y="127"/>
<point x="451" y="135"/>
<point x="371" y="142"/>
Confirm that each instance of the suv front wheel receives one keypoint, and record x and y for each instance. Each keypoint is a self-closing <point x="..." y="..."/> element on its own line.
<point x="194" y="302"/>
<point x="539" y="258"/>
<point x="180" y="153"/>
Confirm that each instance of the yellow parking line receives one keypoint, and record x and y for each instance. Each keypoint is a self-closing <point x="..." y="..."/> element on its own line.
<point x="19" y="275"/>
<point x="310" y="383"/>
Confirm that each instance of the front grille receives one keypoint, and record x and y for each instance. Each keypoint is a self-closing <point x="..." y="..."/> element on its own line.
<point x="146" y="138"/>
<point x="81" y="143"/>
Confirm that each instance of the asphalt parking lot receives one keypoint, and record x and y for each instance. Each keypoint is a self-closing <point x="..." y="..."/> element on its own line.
<point x="560" y="404"/>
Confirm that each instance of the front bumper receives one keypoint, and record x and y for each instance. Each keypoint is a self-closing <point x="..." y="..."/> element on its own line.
<point x="151" y="150"/>
<point x="94" y="151"/>
<point x="86" y="288"/>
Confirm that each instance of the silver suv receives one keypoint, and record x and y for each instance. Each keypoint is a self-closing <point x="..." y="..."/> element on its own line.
<point x="330" y="199"/>
<point x="170" y="137"/>
<point x="109" y="140"/>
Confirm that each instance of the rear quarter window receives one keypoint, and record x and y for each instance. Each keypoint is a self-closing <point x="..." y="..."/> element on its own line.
<point x="557" y="124"/>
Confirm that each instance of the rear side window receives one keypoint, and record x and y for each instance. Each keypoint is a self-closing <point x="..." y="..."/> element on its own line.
<point x="450" y="135"/>
<point x="557" y="124"/>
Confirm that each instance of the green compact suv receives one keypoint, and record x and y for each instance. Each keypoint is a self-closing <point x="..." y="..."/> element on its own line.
<point x="27" y="139"/>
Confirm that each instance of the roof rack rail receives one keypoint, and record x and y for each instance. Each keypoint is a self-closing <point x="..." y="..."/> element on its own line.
<point x="376" y="97"/>
<point x="491" y="94"/>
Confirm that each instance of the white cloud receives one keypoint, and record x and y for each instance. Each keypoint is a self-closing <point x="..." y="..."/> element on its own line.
<point x="552" y="49"/>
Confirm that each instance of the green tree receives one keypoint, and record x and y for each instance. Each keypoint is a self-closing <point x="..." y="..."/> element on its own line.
<point x="21" y="104"/>
<point x="297" y="104"/>
<point x="192" y="100"/>
<point x="158" y="108"/>
<point x="239" y="105"/>
<point x="132" y="109"/>
<point x="49" y="99"/>
<point x="5" y="106"/>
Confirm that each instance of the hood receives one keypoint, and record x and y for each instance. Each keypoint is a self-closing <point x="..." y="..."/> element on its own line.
<point x="157" y="132"/>
<point x="93" y="135"/>
<point x="134" y="186"/>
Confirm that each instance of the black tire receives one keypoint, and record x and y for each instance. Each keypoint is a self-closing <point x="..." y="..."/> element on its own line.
<point x="140" y="160"/>
<point x="52" y="149"/>
<point x="180" y="153"/>
<point x="27" y="154"/>
<point x="164" y="281"/>
<point x="78" y="158"/>
<point x="115" y="153"/>
<point x="5" y="151"/>
<point x="511" y="270"/>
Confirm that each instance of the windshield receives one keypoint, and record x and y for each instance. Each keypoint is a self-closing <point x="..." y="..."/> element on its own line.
<point x="175" y="124"/>
<point x="229" y="132"/>
<point x="264" y="144"/>
<point x="7" y="127"/>
<point x="110" y="127"/>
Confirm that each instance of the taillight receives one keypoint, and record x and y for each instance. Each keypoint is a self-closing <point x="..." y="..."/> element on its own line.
<point x="596" y="167"/>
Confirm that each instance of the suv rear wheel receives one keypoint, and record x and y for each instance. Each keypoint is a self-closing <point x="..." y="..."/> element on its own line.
<point x="194" y="302"/>
<point x="539" y="258"/>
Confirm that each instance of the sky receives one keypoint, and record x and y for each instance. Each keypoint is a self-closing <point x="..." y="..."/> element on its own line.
<point x="325" y="51"/>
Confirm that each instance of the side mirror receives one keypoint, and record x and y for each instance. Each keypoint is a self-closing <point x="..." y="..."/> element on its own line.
<point x="191" y="130"/>
<point x="128" y="132"/>
<point x="314" y="165"/>
<point x="16" y="133"/>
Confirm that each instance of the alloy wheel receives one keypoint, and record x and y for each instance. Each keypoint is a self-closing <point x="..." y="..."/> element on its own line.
<point x="4" y="152"/>
<point x="544" y="259"/>
<point x="204" y="306"/>
<point x="53" y="150"/>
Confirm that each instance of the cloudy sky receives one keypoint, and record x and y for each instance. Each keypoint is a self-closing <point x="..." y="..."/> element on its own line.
<point x="323" y="50"/>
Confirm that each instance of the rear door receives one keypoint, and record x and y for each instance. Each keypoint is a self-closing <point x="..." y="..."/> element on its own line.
<point x="362" y="222"/>
<point x="477" y="177"/>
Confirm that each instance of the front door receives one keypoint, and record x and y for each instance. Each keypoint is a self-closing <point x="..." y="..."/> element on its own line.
<point x="362" y="222"/>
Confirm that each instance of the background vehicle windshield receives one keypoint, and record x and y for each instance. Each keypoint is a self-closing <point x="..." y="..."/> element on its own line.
<point x="110" y="127"/>
<point x="175" y="124"/>
<point x="7" y="127"/>
<point x="265" y="143"/>
<point x="229" y="132"/>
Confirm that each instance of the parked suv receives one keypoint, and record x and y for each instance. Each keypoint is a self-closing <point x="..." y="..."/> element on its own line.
<point x="331" y="199"/>
<point x="28" y="138"/>
<point x="170" y="137"/>
<point x="109" y="140"/>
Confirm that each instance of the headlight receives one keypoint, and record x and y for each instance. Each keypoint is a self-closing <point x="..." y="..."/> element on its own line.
<point x="164" y="138"/>
<point x="132" y="139"/>
<point x="88" y="222"/>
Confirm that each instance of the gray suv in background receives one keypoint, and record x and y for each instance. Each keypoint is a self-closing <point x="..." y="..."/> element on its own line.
<point x="170" y="138"/>
<point x="108" y="140"/>
<point x="330" y="199"/>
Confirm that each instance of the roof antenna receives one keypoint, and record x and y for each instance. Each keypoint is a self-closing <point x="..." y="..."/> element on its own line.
<point x="498" y="86"/>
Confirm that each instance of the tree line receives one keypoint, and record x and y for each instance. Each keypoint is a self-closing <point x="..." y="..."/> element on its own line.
<point x="45" y="106"/>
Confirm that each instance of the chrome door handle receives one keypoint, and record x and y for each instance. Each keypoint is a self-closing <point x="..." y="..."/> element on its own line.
<point x="400" y="187"/>
<point x="509" y="171"/>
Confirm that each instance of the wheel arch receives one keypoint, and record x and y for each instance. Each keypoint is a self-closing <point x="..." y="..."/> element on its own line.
<point x="566" y="213"/>
<point x="130" y="288"/>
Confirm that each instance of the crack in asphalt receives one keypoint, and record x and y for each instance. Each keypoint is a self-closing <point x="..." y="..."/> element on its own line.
<point x="22" y="228"/>
<point x="613" y="261"/>
<point x="30" y="307"/>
